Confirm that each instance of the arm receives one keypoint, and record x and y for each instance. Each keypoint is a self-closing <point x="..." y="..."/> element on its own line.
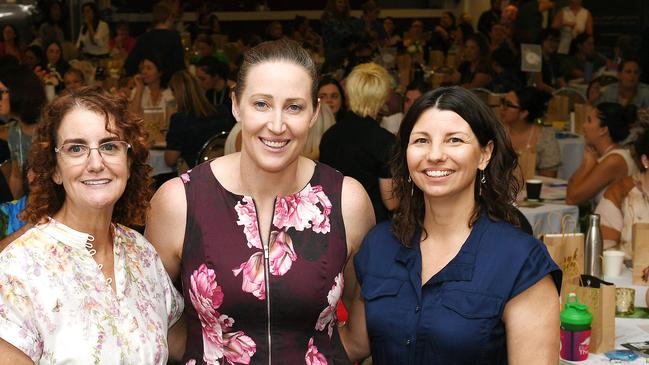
<point x="386" y="187"/>
<point x="16" y="180"/>
<point x="589" y="24"/>
<point x="538" y="80"/>
<point x="558" y="19"/>
<point x="532" y="325"/>
<point x="592" y="177"/>
<point x="358" y="216"/>
<point x="10" y="355"/>
<point x="102" y="35"/>
<point x="165" y="224"/>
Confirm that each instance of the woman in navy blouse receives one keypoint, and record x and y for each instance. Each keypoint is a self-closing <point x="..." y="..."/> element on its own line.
<point x="452" y="280"/>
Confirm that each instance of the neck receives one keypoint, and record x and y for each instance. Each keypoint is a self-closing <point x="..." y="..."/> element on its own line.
<point x="154" y="87"/>
<point x="96" y="223"/>
<point x="266" y="185"/>
<point x="445" y="216"/>
<point x="627" y="91"/>
<point x="520" y="126"/>
<point x="603" y="147"/>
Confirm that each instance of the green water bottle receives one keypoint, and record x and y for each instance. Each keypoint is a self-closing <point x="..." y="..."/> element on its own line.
<point x="575" y="329"/>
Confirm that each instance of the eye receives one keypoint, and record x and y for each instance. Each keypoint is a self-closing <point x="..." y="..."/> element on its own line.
<point x="455" y="140"/>
<point x="420" y="140"/>
<point x="261" y="105"/>
<point x="75" y="149"/>
<point x="109" y="147"/>
<point x="295" y="108"/>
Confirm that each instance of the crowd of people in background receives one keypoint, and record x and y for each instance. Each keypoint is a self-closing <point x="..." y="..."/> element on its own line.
<point x="338" y="90"/>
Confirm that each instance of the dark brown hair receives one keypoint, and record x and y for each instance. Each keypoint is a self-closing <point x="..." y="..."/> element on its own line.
<point x="46" y="197"/>
<point x="497" y="194"/>
<point x="273" y="51"/>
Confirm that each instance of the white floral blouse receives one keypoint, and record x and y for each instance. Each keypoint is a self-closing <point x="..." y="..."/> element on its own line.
<point x="57" y="307"/>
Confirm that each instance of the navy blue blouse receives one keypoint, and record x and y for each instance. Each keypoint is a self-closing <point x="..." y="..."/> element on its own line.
<point x="456" y="317"/>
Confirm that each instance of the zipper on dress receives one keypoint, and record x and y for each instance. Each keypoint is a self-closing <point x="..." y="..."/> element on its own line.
<point x="267" y="273"/>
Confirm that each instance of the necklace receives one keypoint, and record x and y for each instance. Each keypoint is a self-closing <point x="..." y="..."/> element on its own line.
<point x="608" y="149"/>
<point x="92" y="251"/>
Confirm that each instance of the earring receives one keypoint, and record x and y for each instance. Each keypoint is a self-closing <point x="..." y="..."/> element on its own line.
<point x="412" y="186"/>
<point x="483" y="180"/>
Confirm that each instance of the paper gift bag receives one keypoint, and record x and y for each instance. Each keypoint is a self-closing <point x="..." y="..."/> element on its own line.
<point x="155" y="123"/>
<point x="559" y="108"/>
<point x="526" y="168"/>
<point x="640" y="246"/>
<point x="567" y="251"/>
<point x="581" y="113"/>
<point x="601" y="304"/>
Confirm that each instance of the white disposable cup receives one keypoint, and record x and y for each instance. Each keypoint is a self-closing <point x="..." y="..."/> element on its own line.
<point x="613" y="261"/>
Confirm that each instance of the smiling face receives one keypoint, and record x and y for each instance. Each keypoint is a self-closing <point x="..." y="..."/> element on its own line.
<point x="444" y="156"/>
<point x="94" y="185"/>
<point x="276" y="111"/>
<point x="329" y="94"/>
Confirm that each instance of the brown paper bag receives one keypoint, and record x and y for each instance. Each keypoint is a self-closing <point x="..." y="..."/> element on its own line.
<point x="526" y="168"/>
<point x="601" y="304"/>
<point x="567" y="250"/>
<point x="640" y="234"/>
<point x="559" y="108"/>
<point x="155" y="124"/>
<point x="581" y="113"/>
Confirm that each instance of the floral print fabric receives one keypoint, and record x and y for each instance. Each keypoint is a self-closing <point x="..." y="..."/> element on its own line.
<point x="225" y="280"/>
<point x="56" y="306"/>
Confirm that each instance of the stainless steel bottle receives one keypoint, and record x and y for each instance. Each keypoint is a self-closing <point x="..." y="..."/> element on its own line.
<point x="594" y="246"/>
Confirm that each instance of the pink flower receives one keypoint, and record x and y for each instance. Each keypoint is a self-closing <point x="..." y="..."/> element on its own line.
<point x="296" y="210"/>
<point x="327" y="317"/>
<point x="281" y="253"/>
<point x="253" y="276"/>
<point x="313" y="357"/>
<point x="321" y="221"/>
<point x="205" y="294"/>
<point x="212" y="343"/>
<point x="239" y="348"/>
<point x="185" y="177"/>
<point x="248" y="219"/>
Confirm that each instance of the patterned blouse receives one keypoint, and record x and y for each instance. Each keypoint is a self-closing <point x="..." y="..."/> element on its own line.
<point x="57" y="307"/>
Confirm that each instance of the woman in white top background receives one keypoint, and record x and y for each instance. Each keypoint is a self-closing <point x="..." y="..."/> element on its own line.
<point x="572" y="20"/>
<point x="94" y="35"/>
<point x="604" y="160"/>
<point x="151" y="91"/>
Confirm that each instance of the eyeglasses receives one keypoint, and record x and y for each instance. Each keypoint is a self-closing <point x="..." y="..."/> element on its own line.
<point x="110" y="152"/>
<point x="504" y="103"/>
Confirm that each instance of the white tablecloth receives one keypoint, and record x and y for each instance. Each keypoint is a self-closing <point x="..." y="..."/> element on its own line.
<point x="572" y="152"/>
<point x="546" y="218"/>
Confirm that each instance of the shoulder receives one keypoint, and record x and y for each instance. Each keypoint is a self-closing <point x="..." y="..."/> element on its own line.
<point x="170" y="196"/>
<point x="508" y="241"/>
<point x="378" y="248"/>
<point x="24" y="250"/>
<point x="619" y="190"/>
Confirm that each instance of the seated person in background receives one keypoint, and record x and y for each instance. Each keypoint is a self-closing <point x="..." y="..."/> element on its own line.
<point x="195" y="121"/>
<point x="357" y="146"/>
<point x="604" y="160"/>
<point x="330" y="92"/>
<point x="213" y="75"/>
<point x="474" y="72"/>
<point x="442" y="36"/>
<point x="122" y="44"/>
<point x="205" y="47"/>
<point x="414" y="90"/>
<point x="520" y="113"/>
<point x="628" y="89"/>
<point x="549" y="78"/>
<point x="506" y="74"/>
<point x="626" y="202"/>
<point x="73" y="79"/>
<point x="583" y="61"/>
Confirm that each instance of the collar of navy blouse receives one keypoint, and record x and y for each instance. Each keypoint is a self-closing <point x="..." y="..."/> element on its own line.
<point x="460" y="268"/>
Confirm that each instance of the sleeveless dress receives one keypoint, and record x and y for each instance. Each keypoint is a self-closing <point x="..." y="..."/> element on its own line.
<point x="250" y="305"/>
<point x="631" y="167"/>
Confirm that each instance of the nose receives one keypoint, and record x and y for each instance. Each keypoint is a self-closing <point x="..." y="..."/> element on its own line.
<point x="276" y="125"/>
<point x="95" y="160"/>
<point x="436" y="152"/>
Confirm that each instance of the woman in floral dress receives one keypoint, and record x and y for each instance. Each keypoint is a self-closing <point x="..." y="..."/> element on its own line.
<point x="261" y="238"/>
<point x="79" y="287"/>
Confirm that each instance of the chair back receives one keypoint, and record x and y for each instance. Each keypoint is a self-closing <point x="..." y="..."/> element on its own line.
<point x="213" y="148"/>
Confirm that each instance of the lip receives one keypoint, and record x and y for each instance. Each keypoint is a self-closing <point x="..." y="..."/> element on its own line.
<point x="275" y="144"/>
<point x="96" y="182"/>
<point x="445" y="174"/>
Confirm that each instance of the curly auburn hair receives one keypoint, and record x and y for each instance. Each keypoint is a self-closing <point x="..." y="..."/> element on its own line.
<point x="495" y="197"/>
<point x="46" y="197"/>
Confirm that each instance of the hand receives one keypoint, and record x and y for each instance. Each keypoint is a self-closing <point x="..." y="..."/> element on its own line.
<point x="590" y="155"/>
<point x="139" y="83"/>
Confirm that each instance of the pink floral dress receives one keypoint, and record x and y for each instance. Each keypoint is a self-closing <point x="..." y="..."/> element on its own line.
<point x="247" y="304"/>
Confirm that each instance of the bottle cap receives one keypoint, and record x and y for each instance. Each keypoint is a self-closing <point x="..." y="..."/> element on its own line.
<point x="575" y="313"/>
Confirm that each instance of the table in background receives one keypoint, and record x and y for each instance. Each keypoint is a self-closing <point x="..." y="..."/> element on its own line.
<point x="157" y="161"/>
<point x="545" y="216"/>
<point x="626" y="281"/>
<point x="572" y="152"/>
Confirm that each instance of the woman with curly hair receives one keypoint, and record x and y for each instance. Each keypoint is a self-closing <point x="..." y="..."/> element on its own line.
<point x="79" y="286"/>
<point x="452" y="280"/>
